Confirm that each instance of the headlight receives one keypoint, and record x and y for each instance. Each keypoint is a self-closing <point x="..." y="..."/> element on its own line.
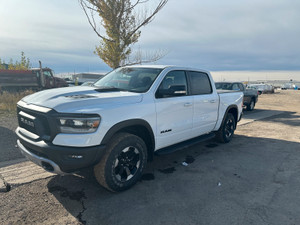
<point x="78" y="125"/>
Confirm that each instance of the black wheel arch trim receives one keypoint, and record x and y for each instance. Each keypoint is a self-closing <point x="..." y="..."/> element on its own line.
<point x="227" y="111"/>
<point x="121" y="126"/>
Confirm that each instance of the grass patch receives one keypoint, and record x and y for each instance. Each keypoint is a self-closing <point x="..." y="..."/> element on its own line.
<point x="8" y="101"/>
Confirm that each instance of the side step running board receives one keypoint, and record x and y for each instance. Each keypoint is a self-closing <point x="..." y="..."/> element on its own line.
<point x="184" y="144"/>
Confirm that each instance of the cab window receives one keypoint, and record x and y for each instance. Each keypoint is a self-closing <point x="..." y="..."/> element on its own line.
<point x="174" y="84"/>
<point x="236" y="87"/>
<point x="200" y="83"/>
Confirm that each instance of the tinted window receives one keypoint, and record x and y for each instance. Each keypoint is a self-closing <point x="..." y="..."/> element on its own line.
<point x="47" y="73"/>
<point x="241" y="87"/>
<point x="173" y="80"/>
<point x="235" y="87"/>
<point x="200" y="83"/>
<point x="223" y="86"/>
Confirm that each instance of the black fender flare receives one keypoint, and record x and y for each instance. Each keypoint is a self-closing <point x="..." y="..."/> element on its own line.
<point x="127" y="124"/>
<point x="227" y="111"/>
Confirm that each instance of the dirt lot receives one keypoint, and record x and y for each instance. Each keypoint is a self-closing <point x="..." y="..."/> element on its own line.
<point x="254" y="179"/>
<point x="8" y="139"/>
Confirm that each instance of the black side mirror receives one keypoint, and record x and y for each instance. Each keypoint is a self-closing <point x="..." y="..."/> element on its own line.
<point x="172" y="91"/>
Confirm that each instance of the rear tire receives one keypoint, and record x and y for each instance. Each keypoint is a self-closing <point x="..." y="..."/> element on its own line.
<point x="123" y="163"/>
<point x="226" y="131"/>
<point x="250" y="107"/>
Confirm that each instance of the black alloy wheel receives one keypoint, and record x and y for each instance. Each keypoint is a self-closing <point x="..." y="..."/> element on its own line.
<point x="226" y="131"/>
<point x="127" y="164"/>
<point x="123" y="162"/>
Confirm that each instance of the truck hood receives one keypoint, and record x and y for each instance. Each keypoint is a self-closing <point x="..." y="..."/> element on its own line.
<point x="72" y="99"/>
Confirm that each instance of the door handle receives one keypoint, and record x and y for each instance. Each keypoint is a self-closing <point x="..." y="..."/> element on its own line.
<point x="188" y="104"/>
<point x="212" y="101"/>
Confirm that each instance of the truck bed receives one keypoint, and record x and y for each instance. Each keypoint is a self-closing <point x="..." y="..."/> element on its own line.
<point x="18" y="78"/>
<point x="226" y="91"/>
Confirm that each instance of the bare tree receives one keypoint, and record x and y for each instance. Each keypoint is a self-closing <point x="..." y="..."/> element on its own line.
<point x="122" y="21"/>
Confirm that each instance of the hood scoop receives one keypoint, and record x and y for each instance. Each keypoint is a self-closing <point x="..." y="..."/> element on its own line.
<point x="80" y="96"/>
<point x="108" y="89"/>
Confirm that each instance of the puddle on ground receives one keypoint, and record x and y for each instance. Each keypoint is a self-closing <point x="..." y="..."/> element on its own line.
<point x="211" y="145"/>
<point x="189" y="159"/>
<point x="147" y="176"/>
<point x="77" y="195"/>
<point x="64" y="192"/>
<point x="168" y="170"/>
<point x="238" y="176"/>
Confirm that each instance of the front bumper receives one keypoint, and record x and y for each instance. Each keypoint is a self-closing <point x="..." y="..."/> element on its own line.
<point x="58" y="159"/>
<point x="47" y="164"/>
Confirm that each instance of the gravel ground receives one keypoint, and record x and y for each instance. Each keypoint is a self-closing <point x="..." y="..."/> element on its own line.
<point x="8" y="138"/>
<point x="252" y="180"/>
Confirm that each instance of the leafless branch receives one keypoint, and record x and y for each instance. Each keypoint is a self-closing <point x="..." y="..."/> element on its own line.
<point x="137" y="3"/>
<point x="148" y="58"/>
<point x="96" y="4"/>
<point x="91" y="18"/>
<point x="147" y="20"/>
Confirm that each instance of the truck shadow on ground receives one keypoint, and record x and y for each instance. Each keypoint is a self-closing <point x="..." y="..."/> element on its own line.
<point x="184" y="180"/>
<point x="276" y="116"/>
<point x="256" y="112"/>
<point x="287" y="118"/>
<point x="8" y="140"/>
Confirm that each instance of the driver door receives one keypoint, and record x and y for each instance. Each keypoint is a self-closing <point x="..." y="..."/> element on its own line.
<point x="174" y="110"/>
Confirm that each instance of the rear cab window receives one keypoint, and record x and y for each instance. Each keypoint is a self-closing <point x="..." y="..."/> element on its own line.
<point x="200" y="83"/>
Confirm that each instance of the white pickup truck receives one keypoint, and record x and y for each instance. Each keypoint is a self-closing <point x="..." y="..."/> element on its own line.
<point x="120" y="122"/>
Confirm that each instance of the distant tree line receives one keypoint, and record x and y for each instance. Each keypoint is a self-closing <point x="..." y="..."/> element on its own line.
<point x="22" y="64"/>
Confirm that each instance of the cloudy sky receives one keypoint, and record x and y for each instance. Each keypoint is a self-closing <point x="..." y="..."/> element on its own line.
<point x="215" y="35"/>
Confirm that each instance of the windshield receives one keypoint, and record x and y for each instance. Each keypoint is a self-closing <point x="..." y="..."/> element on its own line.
<point x="251" y="87"/>
<point x="47" y="73"/>
<point x="129" y="79"/>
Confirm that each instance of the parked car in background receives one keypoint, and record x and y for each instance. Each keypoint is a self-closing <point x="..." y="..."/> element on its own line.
<point x="262" y="88"/>
<point x="287" y="86"/>
<point x="88" y="83"/>
<point x="84" y="79"/>
<point x="250" y="95"/>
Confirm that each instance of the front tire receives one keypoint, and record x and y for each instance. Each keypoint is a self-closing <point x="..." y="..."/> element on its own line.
<point x="123" y="163"/>
<point x="226" y="131"/>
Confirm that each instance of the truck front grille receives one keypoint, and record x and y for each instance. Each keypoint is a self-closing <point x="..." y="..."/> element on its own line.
<point x="34" y="122"/>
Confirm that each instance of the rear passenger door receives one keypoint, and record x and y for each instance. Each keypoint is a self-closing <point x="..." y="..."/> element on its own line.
<point x="174" y="112"/>
<point x="206" y="102"/>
